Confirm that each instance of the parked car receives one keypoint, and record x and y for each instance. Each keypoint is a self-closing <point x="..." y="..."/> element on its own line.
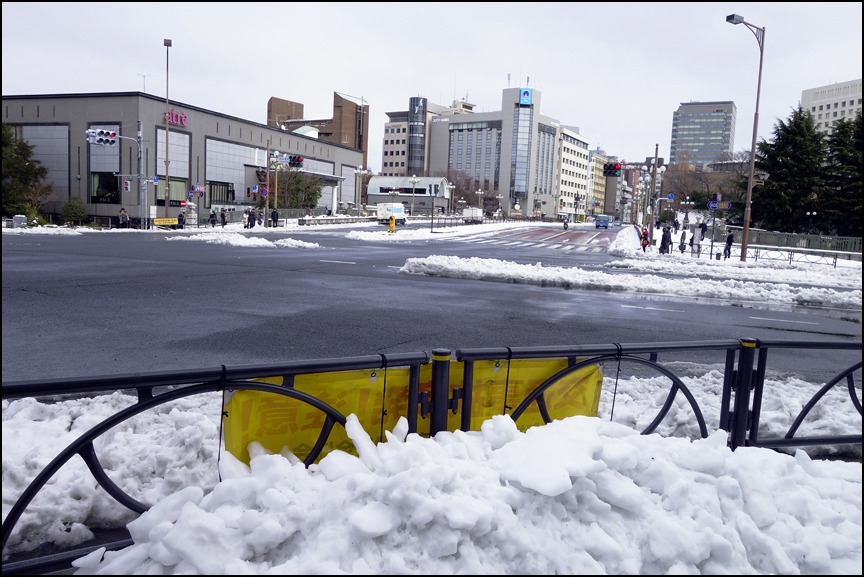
<point x="616" y="223"/>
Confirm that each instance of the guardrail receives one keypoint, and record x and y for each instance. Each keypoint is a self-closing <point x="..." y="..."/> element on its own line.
<point x="442" y="392"/>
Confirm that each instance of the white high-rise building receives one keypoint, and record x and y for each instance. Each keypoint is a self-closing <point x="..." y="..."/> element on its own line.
<point x="828" y="104"/>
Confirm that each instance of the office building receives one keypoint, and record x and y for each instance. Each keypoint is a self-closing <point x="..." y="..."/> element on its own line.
<point x="831" y="103"/>
<point x="214" y="160"/>
<point x="702" y="133"/>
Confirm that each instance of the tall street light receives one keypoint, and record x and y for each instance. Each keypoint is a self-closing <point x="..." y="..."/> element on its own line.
<point x="167" y="44"/>
<point x="652" y="192"/>
<point x="810" y="215"/>
<point x="413" y="180"/>
<point x="450" y="188"/>
<point x="687" y="205"/>
<point x="759" y="33"/>
<point x="359" y="173"/>
<point x="479" y="192"/>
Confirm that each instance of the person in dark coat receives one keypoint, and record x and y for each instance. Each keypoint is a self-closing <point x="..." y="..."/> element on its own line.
<point x="666" y="241"/>
<point x="223" y="216"/>
<point x="727" y="250"/>
<point x="181" y="220"/>
<point x="250" y="219"/>
<point x="274" y="218"/>
<point x="212" y="218"/>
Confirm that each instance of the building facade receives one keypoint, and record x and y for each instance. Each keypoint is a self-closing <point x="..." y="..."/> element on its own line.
<point x="214" y="160"/>
<point x="702" y="133"/>
<point x="831" y="103"/>
<point x="349" y="125"/>
<point x="575" y="198"/>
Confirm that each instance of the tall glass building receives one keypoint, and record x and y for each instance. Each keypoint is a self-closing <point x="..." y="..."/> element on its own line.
<point x="702" y="133"/>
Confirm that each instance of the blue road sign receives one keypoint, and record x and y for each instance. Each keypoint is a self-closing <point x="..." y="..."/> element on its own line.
<point x="712" y="205"/>
<point x="670" y="196"/>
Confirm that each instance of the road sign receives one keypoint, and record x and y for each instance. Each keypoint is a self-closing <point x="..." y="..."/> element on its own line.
<point x="670" y="196"/>
<point x="284" y="159"/>
<point x="191" y="194"/>
<point x="726" y="205"/>
<point x="155" y="180"/>
<point x="183" y="204"/>
<point x="712" y="205"/>
<point x="263" y="192"/>
<point x="254" y="188"/>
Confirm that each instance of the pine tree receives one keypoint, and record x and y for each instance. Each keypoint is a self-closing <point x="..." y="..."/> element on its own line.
<point x="839" y="211"/>
<point x="795" y="164"/>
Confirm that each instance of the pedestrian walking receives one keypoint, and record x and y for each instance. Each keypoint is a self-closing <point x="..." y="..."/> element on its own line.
<point x="683" y="245"/>
<point x="181" y="219"/>
<point x="703" y="227"/>
<point x="676" y="225"/>
<point x="274" y="218"/>
<point x="212" y="218"/>
<point x="223" y="216"/>
<point x="260" y="217"/>
<point x="666" y="241"/>
<point x="727" y="250"/>
<point x="644" y="242"/>
<point x="250" y="219"/>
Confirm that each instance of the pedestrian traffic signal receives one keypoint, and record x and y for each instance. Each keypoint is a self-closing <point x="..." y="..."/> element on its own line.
<point x="295" y="160"/>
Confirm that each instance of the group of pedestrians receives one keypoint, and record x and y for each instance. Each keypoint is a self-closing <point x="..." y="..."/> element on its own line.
<point x="696" y="235"/>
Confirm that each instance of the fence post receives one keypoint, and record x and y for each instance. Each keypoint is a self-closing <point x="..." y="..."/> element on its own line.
<point x="741" y="405"/>
<point x="440" y="390"/>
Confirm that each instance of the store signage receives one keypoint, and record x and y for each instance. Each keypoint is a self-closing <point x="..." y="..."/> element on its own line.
<point x="176" y="118"/>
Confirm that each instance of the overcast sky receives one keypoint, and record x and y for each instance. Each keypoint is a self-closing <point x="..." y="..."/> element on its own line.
<point x="616" y="70"/>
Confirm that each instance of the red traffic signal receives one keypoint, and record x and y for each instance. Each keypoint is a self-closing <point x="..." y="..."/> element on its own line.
<point x="106" y="137"/>
<point x="295" y="160"/>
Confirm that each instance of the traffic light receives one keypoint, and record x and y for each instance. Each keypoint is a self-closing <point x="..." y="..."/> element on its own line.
<point x="106" y="137"/>
<point x="612" y="169"/>
<point x="295" y="160"/>
<point x="101" y="137"/>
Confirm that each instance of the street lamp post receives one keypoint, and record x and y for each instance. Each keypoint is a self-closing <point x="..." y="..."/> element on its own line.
<point x="274" y="162"/>
<point x="167" y="44"/>
<point x="450" y="188"/>
<point x="479" y="192"/>
<point x="413" y="180"/>
<point x="653" y="192"/>
<point x="687" y="204"/>
<point x="499" y="197"/>
<point x="810" y="216"/>
<point x="759" y="33"/>
<point x="359" y="173"/>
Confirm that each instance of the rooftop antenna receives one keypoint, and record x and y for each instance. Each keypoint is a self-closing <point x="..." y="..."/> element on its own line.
<point x="144" y="76"/>
<point x="527" y="81"/>
<point x="508" y="80"/>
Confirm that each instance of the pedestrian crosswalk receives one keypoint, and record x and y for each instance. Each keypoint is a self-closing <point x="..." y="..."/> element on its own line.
<point x="563" y="247"/>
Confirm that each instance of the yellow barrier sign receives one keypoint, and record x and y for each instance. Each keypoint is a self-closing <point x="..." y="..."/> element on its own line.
<point x="380" y="397"/>
<point x="164" y="221"/>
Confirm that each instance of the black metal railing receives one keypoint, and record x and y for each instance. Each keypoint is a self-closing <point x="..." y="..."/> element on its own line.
<point x="744" y="360"/>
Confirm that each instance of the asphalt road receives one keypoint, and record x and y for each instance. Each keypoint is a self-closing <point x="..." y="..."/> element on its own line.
<point x="99" y="304"/>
